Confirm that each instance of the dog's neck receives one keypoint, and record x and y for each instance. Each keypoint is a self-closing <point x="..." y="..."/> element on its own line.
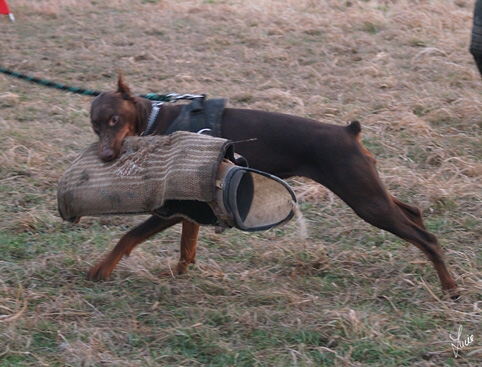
<point x="147" y="115"/>
<point x="160" y="123"/>
<point x="155" y="108"/>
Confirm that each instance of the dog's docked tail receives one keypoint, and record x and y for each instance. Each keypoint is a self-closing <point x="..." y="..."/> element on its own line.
<point x="355" y="127"/>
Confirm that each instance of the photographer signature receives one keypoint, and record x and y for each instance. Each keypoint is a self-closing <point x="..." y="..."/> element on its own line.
<point x="460" y="344"/>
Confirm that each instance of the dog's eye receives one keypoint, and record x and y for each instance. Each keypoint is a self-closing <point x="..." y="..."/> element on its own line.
<point x="114" y="120"/>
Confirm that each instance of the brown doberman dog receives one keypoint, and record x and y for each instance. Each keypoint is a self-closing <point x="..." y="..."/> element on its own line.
<point x="280" y="144"/>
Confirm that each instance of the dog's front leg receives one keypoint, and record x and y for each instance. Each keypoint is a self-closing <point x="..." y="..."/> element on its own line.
<point x="127" y="243"/>
<point x="189" y="238"/>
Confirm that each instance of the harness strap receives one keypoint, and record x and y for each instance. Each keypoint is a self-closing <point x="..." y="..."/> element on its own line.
<point x="156" y="107"/>
<point x="200" y="115"/>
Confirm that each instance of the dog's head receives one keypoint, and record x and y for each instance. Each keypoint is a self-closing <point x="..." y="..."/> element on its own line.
<point x="114" y="116"/>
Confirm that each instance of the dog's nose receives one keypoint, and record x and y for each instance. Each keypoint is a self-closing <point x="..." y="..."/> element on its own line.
<point x="107" y="155"/>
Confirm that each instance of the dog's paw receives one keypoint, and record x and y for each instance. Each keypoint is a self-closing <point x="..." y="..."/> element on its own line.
<point x="453" y="294"/>
<point x="97" y="273"/>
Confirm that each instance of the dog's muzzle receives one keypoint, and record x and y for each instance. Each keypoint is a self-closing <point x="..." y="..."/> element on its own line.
<point x="187" y="175"/>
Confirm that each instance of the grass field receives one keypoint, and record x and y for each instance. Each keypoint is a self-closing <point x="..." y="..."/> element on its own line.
<point x="345" y="294"/>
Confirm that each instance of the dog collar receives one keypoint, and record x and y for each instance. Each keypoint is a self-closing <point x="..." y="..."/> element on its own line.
<point x="156" y="107"/>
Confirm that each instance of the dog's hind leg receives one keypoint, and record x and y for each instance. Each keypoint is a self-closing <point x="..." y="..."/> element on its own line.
<point x="355" y="179"/>
<point x="406" y="222"/>
<point x="431" y="247"/>
<point x="366" y="195"/>
<point x="410" y="211"/>
<point x="127" y="243"/>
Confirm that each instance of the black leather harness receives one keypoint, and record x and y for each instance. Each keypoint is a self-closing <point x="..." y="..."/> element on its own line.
<point x="198" y="115"/>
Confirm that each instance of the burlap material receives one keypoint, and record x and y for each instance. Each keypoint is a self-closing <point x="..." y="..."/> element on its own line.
<point x="149" y="171"/>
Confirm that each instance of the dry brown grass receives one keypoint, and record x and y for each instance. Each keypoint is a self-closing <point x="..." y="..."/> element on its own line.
<point x="348" y="294"/>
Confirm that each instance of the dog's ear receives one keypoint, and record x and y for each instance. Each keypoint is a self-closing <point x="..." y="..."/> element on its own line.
<point x="124" y="89"/>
